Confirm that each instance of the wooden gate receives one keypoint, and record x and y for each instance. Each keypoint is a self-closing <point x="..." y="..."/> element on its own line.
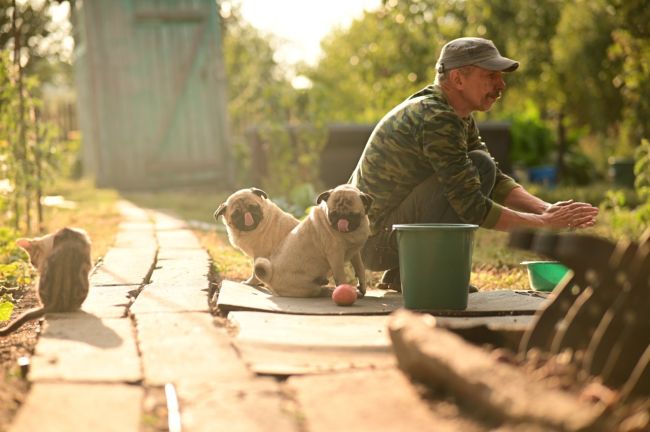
<point x="152" y="92"/>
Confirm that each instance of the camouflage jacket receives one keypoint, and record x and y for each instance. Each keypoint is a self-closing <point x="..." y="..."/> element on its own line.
<point x="421" y="136"/>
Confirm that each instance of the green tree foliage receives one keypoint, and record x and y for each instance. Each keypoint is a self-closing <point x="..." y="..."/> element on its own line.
<point x="632" y="47"/>
<point x="29" y="150"/>
<point x="258" y="89"/>
<point x="263" y="106"/>
<point x="583" y="69"/>
<point x="39" y="40"/>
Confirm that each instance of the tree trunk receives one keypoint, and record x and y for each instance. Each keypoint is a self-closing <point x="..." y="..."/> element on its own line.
<point x="561" y="146"/>
<point x="20" y="152"/>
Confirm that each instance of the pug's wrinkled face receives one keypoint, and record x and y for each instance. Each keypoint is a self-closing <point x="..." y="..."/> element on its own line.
<point x="346" y="206"/>
<point x="243" y="210"/>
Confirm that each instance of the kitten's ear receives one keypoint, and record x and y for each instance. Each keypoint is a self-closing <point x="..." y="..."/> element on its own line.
<point x="24" y="243"/>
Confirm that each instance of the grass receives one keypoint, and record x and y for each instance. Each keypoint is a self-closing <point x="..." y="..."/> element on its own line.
<point x="94" y="210"/>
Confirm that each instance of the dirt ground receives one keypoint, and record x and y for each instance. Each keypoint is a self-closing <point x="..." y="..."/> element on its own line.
<point x="13" y="388"/>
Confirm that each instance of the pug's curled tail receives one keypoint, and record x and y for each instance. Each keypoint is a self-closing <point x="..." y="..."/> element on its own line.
<point x="263" y="269"/>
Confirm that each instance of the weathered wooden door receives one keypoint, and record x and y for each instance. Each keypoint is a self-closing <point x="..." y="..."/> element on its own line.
<point x="155" y="92"/>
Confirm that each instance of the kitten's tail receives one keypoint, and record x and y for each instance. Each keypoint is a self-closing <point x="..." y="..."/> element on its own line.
<point x="263" y="269"/>
<point x="22" y="319"/>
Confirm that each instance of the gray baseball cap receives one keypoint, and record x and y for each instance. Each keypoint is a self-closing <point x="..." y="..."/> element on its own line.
<point x="473" y="51"/>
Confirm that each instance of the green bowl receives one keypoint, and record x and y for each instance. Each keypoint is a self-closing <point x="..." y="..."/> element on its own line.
<point x="545" y="275"/>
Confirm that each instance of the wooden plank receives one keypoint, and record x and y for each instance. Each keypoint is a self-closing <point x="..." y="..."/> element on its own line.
<point x="298" y="344"/>
<point x="499" y="390"/>
<point x="503" y="331"/>
<point x="235" y="296"/>
<point x="379" y="400"/>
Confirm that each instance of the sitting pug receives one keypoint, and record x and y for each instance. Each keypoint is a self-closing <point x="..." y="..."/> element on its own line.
<point x="255" y="224"/>
<point x="333" y="233"/>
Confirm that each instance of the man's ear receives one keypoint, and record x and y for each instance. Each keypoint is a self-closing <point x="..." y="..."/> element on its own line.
<point x="456" y="77"/>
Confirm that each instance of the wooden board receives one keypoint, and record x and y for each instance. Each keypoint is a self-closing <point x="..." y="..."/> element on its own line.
<point x="235" y="296"/>
<point x="280" y="344"/>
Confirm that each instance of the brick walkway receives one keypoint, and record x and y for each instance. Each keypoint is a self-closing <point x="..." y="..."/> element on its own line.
<point x="146" y="324"/>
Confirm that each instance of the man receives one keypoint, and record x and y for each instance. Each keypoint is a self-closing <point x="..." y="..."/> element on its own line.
<point x="425" y="162"/>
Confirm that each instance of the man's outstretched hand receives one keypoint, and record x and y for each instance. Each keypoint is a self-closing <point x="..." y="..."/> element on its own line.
<point x="570" y="214"/>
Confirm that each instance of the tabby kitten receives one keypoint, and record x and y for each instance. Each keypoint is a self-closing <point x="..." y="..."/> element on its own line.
<point x="63" y="261"/>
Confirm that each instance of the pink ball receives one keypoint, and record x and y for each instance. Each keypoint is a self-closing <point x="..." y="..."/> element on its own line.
<point x="344" y="295"/>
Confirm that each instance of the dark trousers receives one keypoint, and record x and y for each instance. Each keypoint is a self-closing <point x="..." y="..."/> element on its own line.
<point x="425" y="204"/>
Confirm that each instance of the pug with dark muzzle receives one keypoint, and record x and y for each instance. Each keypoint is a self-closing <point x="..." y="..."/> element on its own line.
<point x="333" y="234"/>
<point x="255" y="224"/>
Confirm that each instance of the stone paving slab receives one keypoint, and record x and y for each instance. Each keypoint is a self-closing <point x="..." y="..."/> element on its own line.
<point x="136" y="240"/>
<point x="132" y="213"/>
<point x="135" y="235"/>
<point x="59" y="407"/>
<point x="108" y="301"/>
<point x="82" y="347"/>
<point x="177" y="239"/>
<point x="379" y="400"/>
<point x="124" y="266"/>
<point x="177" y="285"/>
<point x="279" y="344"/>
<point x="186" y="347"/>
<point x="164" y="221"/>
<point x="254" y="405"/>
<point x="200" y="256"/>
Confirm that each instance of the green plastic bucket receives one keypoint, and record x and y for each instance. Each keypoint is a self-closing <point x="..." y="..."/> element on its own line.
<point x="435" y="263"/>
<point x="545" y="275"/>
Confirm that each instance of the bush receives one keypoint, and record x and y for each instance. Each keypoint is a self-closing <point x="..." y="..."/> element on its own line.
<point x="532" y="140"/>
<point x="579" y="169"/>
<point x="293" y="155"/>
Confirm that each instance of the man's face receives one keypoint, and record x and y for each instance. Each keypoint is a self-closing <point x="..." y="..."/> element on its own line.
<point x="481" y="87"/>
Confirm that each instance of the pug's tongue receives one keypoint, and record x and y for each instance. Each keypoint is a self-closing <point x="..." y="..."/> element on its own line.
<point x="248" y="219"/>
<point x="343" y="225"/>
